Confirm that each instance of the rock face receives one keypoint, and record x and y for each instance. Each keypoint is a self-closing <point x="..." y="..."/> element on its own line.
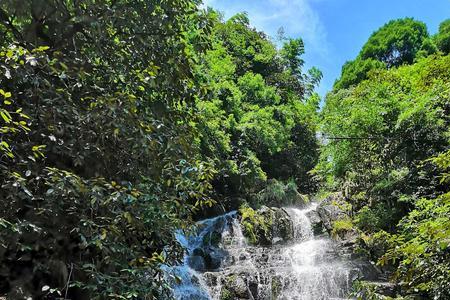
<point x="266" y="226"/>
<point x="331" y="209"/>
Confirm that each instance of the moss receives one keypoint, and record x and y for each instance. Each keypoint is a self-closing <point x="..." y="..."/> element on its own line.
<point x="276" y="287"/>
<point x="257" y="227"/>
<point x="225" y="294"/>
<point x="341" y="227"/>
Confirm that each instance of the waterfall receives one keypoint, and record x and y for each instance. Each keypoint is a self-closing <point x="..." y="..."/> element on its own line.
<point x="218" y="259"/>
<point x="315" y="272"/>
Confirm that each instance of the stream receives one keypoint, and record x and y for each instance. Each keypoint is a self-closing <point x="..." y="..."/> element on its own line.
<point x="220" y="264"/>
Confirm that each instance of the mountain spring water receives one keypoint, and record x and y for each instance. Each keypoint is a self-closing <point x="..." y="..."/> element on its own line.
<point x="218" y="259"/>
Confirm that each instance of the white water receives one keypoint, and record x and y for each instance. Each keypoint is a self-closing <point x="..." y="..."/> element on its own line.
<point x="315" y="274"/>
<point x="306" y="269"/>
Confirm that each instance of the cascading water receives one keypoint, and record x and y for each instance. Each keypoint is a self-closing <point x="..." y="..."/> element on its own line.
<point x="314" y="271"/>
<point x="218" y="259"/>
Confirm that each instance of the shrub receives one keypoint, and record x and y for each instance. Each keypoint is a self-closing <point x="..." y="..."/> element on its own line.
<point x="342" y="226"/>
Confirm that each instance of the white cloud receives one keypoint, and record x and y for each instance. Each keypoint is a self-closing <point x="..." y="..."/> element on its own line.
<point x="297" y="17"/>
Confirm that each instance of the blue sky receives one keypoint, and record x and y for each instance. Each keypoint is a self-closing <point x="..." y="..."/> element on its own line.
<point x="333" y="30"/>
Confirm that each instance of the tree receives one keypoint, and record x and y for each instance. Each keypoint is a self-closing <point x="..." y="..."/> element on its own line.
<point x="97" y="167"/>
<point x="355" y="71"/>
<point x="442" y="38"/>
<point x="381" y="125"/>
<point x="257" y="111"/>
<point x="396" y="43"/>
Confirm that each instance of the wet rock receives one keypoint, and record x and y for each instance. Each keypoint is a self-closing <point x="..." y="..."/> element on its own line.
<point x="301" y="200"/>
<point x="257" y="225"/>
<point x="196" y="262"/>
<point x="275" y="286"/>
<point x="268" y="226"/>
<point x="240" y="288"/>
<point x="316" y="222"/>
<point x="236" y="287"/>
<point x="212" y="239"/>
<point x="366" y="270"/>
<point x="282" y="227"/>
<point x="208" y="258"/>
<point x="253" y="287"/>
<point x="331" y="210"/>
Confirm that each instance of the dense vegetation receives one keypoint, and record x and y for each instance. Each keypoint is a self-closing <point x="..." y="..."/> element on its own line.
<point x="122" y="121"/>
<point x="386" y="134"/>
<point x="257" y="121"/>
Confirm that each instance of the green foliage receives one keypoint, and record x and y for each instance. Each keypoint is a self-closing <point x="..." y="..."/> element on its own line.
<point x="278" y="194"/>
<point x="256" y="226"/>
<point x="225" y="294"/>
<point x="364" y="290"/>
<point x="373" y="219"/>
<point x="442" y="160"/>
<point x="97" y="165"/>
<point x="421" y="249"/>
<point x="291" y="52"/>
<point x="356" y="71"/>
<point x="442" y="38"/>
<point x="375" y="244"/>
<point x="341" y="227"/>
<point x="385" y="128"/>
<point x="396" y="43"/>
<point x="386" y="136"/>
<point x="260" y="112"/>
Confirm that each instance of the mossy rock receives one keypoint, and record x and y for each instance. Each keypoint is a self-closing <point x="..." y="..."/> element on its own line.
<point x="212" y="239"/>
<point x="343" y="228"/>
<point x="225" y="294"/>
<point x="257" y="225"/>
<point x="235" y="286"/>
<point x="275" y="287"/>
<point x="282" y="225"/>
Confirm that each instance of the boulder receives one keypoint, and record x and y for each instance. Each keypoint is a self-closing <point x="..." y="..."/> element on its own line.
<point x="316" y="222"/>
<point x="267" y="226"/>
<point x="238" y="287"/>
<point x="282" y="227"/>
<point x="257" y="225"/>
<point x="208" y="258"/>
<point x="331" y="210"/>
<point x="196" y="262"/>
<point x="213" y="239"/>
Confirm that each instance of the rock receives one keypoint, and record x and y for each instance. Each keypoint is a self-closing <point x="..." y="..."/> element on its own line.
<point x="366" y="269"/>
<point x="240" y="288"/>
<point x="253" y="287"/>
<point x="301" y="200"/>
<point x="212" y="239"/>
<point x="257" y="225"/>
<point x="275" y="286"/>
<point x="225" y="294"/>
<point x="236" y="287"/>
<point x="208" y="258"/>
<point x="198" y="252"/>
<point x="197" y="262"/>
<point x="316" y="222"/>
<point x="282" y="227"/>
<point x="330" y="210"/>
